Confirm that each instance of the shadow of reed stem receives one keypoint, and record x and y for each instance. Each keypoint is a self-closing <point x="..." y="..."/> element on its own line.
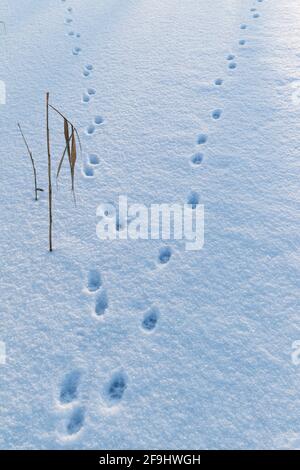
<point x="49" y="174"/>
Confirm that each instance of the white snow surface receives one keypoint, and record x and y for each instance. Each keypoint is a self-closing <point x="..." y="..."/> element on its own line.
<point x="216" y="371"/>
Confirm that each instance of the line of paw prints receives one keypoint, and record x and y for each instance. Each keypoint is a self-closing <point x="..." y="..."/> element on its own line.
<point x="117" y="386"/>
<point x="198" y="157"/>
<point x="73" y="412"/>
<point x="71" y="33"/>
<point x="97" y="291"/>
<point x="92" y="161"/>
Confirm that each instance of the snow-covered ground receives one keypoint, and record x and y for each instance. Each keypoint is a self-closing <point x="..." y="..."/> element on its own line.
<point x="216" y="370"/>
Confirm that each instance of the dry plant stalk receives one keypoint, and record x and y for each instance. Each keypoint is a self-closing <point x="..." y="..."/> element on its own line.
<point x="72" y="141"/>
<point x="71" y="146"/>
<point x="71" y="138"/>
<point x="49" y="173"/>
<point x="36" y="189"/>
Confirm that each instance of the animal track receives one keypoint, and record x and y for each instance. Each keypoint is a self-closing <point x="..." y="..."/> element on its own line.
<point x="98" y="120"/>
<point x="230" y="57"/>
<point x="76" y="51"/>
<point x="87" y="95"/>
<point x="116" y="387"/>
<point x="68" y="20"/>
<point x="119" y="224"/>
<point x="76" y="421"/>
<point x="72" y="33"/>
<point x="85" y="98"/>
<point x="90" y="129"/>
<point x="216" y="114"/>
<point x="197" y="158"/>
<point x="218" y="81"/>
<point x="232" y="65"/>
<point x="94" y="280"/>
<point x="193" y="199"/>
<point x="88" y="171"/>
<point x="202" y="139"/>
<point x="164" y="255"/>
<point x="243" y="26"/>
<point x="256" y="15"/>
<point x="242" y="42"/>
<point x="87" y="70"/>
<point x="101" y="303"/>
<point x="91" y="91"/>
<point x="69" y="387"/>
<point x="95" y="286"/>
<point x="150" y="319"/>
<point x="93" y="159"/>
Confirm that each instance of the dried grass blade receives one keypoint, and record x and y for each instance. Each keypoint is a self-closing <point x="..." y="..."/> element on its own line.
<point x="67" y="149"/>
<point x="73" y="157"/>
<point x="67" y="138"/>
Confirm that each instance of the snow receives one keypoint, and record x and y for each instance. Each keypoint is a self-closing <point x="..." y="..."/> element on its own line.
<point x="106" y="348"/>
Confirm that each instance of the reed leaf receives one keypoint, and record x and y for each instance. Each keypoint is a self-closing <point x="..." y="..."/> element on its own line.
<point x="73" y="157"/>
<point x="67" y="138"/>
<point x="66" y="149"/>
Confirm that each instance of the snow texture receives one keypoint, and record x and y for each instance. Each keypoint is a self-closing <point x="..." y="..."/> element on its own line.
<point x="142" y="344"/>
